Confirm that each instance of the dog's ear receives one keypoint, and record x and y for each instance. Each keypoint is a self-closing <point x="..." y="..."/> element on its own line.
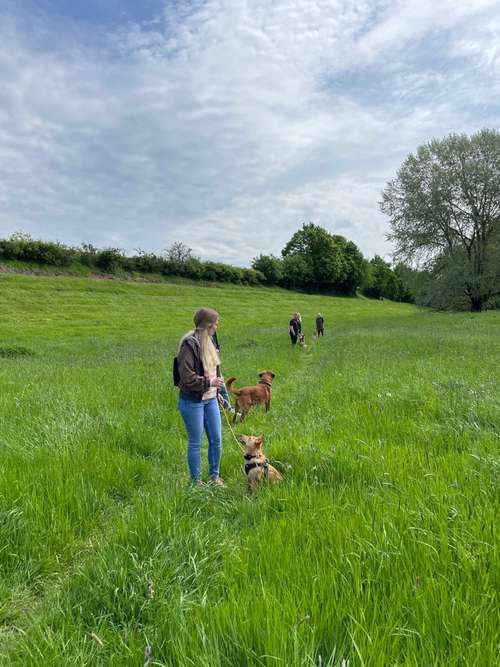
<point x="259" y="440"/>
<point x="273" y="375"/>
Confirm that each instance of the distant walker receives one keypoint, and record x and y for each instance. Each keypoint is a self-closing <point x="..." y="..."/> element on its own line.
<point x="320" y="325"/>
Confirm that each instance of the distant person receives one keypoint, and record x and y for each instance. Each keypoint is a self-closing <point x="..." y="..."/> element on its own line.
<point x="320" y="325"/>
<point x="199" y="372"/>
<point x="294" y="329"/>
<point x="299" y="320"/>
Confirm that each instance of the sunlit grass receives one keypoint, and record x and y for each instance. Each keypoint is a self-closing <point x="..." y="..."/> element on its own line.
<point x="378" y="549"/>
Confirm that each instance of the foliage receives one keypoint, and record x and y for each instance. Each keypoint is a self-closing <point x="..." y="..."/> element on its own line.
<point x="353" y="267"/>
<point x="381" y="280"/>
<point x="313" y="260"/>
<point x="24" y="248"/>
<point x="87" y="254"/>
<point x="178" y="261"/>
<point x="444" y="209"/>
<point x="179" y="253"/>
<point x="319" y="258"/>
<point x="110" y="260"/>
<point x="403" y="278"/>
<point x="297" y="272"/>
<point x="316" y="260"/>
<point x="146" y="262"/>
<point x="271" y="268"/>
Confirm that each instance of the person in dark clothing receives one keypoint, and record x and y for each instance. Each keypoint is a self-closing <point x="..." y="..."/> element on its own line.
<point x="320" y="325"/>
<point x="199" y="373"/>
<point x="294" y="329"/>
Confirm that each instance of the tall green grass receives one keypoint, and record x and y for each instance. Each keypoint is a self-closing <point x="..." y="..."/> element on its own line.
<point x="378" y="549"/>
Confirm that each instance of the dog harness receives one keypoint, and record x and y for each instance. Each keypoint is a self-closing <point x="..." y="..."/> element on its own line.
<point x="250" y="466"/>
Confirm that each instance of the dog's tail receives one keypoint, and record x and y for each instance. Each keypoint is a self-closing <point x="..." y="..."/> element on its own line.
<point x="229" y="383"/>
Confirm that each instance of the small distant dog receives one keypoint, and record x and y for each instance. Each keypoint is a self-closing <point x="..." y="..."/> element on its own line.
<point x="302" y="340"/>
<point x="259" y="394"/>
<point x="257" y="467"/>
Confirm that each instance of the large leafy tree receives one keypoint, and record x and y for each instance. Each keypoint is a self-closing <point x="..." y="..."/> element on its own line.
<point x="444" y="209"/>
<point x="315" y="259"/>
<point x="354" y="267"/>
<point x="382" y="281"/>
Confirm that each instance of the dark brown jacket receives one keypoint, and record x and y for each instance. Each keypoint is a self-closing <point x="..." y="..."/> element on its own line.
<point x="193" y="381"/>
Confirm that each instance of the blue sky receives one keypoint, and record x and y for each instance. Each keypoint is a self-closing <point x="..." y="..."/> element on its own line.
<point x="226" y="124"/>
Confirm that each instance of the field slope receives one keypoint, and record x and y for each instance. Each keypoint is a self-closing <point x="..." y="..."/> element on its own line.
<point x="378" y="548"/>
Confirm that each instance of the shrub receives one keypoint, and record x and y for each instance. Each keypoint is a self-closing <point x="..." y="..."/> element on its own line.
<point x="87" y="254"/>
<point x="146" y="262"/>
<point x="26" y="249"/>
<point x="110" y="260"/>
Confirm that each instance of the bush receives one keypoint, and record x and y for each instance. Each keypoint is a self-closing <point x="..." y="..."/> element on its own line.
<point x="110" y="260"/>
<point x="270" y="267"/>
<point x="23" y="248"/>
<point x="87" y="254"/>
<point x="252" y="277"/>
<point x="293" y="271"/>
<point x="146" y="262"/>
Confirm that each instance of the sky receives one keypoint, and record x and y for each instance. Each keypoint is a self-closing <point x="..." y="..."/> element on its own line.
<point x="227" y="124"/>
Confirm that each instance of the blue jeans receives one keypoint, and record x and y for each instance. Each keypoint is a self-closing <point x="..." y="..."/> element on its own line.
<point x="199" y="416"/>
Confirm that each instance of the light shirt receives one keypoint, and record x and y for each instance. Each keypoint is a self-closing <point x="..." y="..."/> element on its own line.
<point x="211" y="391"/>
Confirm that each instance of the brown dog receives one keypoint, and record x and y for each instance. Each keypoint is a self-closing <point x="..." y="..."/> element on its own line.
<point x="257" y="467"/>
<point x="248" y="396"/>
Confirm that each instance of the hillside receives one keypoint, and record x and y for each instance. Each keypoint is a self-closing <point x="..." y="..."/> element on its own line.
<point x="377" y="549"/>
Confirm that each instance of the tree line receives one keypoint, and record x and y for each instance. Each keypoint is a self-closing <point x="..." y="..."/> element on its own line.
<point x="313" y="260"/>
<point x="444" y="214"/>
<point x="316" y="261"/>
<point x="177" y="260"/>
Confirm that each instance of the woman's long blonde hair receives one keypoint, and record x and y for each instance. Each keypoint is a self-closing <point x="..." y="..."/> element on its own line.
<point x="203" y="318"/>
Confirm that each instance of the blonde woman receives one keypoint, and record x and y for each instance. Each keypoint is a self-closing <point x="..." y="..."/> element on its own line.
<point x="294" y="328"/>
<point x="199" y="371"/>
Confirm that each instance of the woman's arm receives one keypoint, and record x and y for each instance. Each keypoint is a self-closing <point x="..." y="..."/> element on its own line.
<point x="190" y="380"/>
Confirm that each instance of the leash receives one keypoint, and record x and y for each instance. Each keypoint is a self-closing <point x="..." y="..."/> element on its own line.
<point x="232" y="432"/>
<point x="240" y="446"/>
<point x="265" y="465"/>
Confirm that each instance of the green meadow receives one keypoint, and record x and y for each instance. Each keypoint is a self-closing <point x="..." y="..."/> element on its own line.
<point x="379" y="548"/>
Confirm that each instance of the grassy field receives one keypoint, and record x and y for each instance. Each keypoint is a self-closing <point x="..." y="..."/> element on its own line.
<point x="378" y="548"/>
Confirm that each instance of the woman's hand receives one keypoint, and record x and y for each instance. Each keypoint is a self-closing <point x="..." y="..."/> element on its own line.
<point x="217" y="382"/>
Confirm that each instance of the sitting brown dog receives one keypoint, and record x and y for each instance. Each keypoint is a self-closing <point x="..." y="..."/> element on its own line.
<point x="257" y="467"/>
<point x="248" y="396"/>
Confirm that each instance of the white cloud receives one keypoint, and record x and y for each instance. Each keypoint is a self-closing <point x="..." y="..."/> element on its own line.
<point x="226" y="125"/>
